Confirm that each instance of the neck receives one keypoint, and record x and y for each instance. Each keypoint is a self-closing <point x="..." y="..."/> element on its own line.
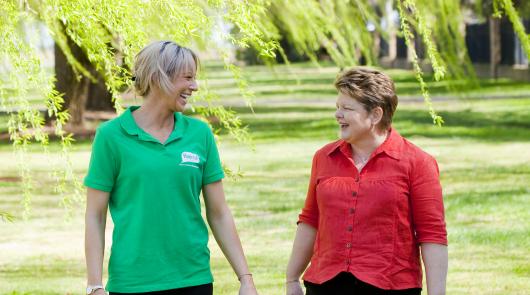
<point x="366" y="146"/>
<point x="152" y="113"/>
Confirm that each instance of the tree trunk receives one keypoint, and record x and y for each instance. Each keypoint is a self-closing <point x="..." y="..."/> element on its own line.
<point x="392" y="33"/>
<point x="80" y="94"/>
<point x="377" y="45"/>
<point x="495" y="46"/>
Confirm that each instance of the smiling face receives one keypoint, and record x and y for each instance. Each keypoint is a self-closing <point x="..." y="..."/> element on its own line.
<point x="165" y="73"/>
<point x="184" y="85"/>
<point x="356" y="123"/>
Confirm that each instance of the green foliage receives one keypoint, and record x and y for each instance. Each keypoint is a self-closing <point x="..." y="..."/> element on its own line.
<point x="518" y="27"/>
<point x="6" y="216"/>
<point x="409" y="37"/>
<point x="110" y="33"/>
<point x="483" y="214"/>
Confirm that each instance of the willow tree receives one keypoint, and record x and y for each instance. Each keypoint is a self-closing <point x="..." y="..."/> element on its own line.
<point x="98" y="39"/>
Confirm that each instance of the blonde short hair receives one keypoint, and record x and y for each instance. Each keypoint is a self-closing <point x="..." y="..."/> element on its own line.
<point x="159" y="63"/>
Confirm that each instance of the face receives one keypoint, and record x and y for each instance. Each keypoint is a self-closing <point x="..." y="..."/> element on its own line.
<point x="355" y="122"/>
<point x="184" y="85"/>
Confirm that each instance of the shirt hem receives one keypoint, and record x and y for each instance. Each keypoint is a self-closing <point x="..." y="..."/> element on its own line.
<point x="389" y="286"/>
<point x="161" y="287"/>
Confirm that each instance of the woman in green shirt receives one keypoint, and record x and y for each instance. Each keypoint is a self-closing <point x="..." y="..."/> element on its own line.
<point x="149" y="166"/>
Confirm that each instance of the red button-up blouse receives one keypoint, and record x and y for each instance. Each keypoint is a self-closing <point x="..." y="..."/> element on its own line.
<point x="371" y="223"/>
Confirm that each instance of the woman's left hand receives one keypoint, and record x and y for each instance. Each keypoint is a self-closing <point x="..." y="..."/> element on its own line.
<point x="247" y="286"/>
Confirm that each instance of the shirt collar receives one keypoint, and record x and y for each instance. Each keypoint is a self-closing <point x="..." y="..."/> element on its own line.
<point x="129" y="125"/>
<point x="391" y="146"/>
<point x="127" y="121"/>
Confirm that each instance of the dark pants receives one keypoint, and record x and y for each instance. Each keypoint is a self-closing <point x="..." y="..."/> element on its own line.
<point x="194" y="290"/>
<point x="346" y="284"/>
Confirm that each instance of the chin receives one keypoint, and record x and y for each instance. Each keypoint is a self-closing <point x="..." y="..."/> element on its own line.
<point x="178" y="108"/>
<point x="348" y="138"/>
<point x="343" y="135"/>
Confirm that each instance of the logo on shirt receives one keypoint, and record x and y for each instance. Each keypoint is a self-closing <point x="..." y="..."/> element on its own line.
<point x="189" y="159"/>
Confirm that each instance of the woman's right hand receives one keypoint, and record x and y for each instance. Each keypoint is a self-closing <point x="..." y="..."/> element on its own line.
<point x="294" y="288"/>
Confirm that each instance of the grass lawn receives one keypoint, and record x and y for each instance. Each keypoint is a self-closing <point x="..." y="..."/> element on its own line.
<point x="483" y="152"/>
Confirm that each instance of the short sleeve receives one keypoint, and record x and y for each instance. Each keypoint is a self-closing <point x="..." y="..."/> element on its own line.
<point x="102" y="169"/>
<point x="213" y="170"/>
<point x="309" y="213"/>
<point x="427" y="202"/>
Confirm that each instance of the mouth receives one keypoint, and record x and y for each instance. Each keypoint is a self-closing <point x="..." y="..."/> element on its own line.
<point x="185" y="97"/>
<point x="343" y="125"/>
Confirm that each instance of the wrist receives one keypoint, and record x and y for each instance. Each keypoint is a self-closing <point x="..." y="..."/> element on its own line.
<point x="245" y="278"/>
<point x="93" y="288"/>
<point x="292" y="278"/>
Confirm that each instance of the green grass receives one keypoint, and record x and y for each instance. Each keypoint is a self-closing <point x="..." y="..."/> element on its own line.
<point x="483" y="153"/>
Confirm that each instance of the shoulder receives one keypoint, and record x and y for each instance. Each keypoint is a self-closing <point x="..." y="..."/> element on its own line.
<point x="416" y="155"/>
<point x="108" y="135"/>
<point x="195" y="124"/>
<point x="109" y="127"/>
<point x="328" y="148"/>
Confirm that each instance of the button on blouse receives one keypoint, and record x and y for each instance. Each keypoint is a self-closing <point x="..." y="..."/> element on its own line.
<point x="370" y="223"/>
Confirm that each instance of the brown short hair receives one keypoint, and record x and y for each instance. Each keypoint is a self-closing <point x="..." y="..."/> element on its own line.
<point x="372" y="89"/>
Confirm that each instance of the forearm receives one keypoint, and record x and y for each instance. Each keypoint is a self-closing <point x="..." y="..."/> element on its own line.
<point x="94" y="247"/>
<point x="224" y="231"/>
<point x="435" y="260"/>
<point x="95" y="220"/>
<point x="301" y="252"/>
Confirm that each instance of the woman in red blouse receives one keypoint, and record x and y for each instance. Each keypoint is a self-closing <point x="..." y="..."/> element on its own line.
<point x="374" y="200"/>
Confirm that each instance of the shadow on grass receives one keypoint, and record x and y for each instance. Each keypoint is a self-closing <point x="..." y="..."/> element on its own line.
<point x="293" y="122"/>
<point x="318" y="122"/>
<point x="494" y="126"/>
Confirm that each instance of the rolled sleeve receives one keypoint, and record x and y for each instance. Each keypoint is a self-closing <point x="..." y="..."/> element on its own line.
<point x="309" y="213"/>
<point x="427" y="202"/>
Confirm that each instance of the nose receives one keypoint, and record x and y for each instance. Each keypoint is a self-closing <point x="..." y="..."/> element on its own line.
<point x="194" y="86"/>
<point x="338" y="114"/>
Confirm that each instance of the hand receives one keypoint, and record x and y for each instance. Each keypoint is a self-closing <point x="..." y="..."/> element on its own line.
<point x="99" y="292"/>
<point x="294" y="288"/>
<point x="247" y="286"/>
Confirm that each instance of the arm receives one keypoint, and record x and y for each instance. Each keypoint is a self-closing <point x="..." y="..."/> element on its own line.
<point x="300" y="257"/>
<point x="95" y="220"/>
<point x="305" y="236"/>
<point x="224" y="230"/>
<point x="435" y="260"/>
<point x="429" y="222"/>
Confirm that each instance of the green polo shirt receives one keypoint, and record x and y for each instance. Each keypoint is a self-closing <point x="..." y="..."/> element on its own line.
<point x="160" y="239"/>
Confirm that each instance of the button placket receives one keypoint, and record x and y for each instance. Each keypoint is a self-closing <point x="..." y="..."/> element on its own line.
<point x="351" y="219"/>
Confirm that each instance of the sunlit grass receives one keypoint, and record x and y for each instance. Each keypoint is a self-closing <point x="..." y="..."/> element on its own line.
<point x="483" y="153"/>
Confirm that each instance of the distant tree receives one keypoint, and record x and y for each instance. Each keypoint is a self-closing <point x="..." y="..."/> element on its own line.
<point x="96" y="42"/>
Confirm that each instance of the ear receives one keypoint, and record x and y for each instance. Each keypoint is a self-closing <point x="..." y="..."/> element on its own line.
<point x="376" y="114"/>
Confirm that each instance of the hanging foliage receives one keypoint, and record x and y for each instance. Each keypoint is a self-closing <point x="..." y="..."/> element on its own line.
<point x="110" y="33"/>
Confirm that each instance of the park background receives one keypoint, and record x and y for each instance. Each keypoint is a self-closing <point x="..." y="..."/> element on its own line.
<point x="483" y="150"/>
